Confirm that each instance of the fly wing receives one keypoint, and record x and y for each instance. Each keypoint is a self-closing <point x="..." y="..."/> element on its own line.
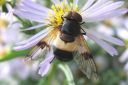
<point x="37" y="51"/>
<point x="43" y="46"/>
<point x="85" y="60"/>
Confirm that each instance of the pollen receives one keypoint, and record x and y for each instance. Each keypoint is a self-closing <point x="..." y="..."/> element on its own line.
<point x="3" y="23"/>
<point x="59" y="10"/>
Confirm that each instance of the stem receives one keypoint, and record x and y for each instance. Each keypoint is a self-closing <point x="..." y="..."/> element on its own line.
<point x="65" y="68"/>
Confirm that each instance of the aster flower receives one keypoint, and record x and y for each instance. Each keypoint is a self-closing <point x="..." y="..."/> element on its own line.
<point x="15" y="70"/>
<point x="124" y="59"/>
<point x="92" y="11"/>
<point x="8" y="31"/>
<point x="14" y="67"/>
<point x="123" y="33"/>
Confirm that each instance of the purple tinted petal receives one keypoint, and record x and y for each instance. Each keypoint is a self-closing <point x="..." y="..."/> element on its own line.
<point x="31" y="10"/>
<point x="107" y="37"/>
<point x="88" y="13"/>
<point x="108" y="8"/>
<point x="35" y="6"/>
<point x="31" y="17"/>
<point x="96" y="5"/>
<point x="45" y="65"/>
<point x="87" y="5"/>
<point x="43" y="70"/>
<point x="29" y="44"/>
<point x="26" y="46"/>
<point x="108" y="48"/>
<point x="42" y="34"/>
<point x="34" y="27"/>
<point x="106" y="16"/>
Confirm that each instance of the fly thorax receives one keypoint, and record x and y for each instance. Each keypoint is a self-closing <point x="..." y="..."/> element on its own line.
<point x="71" y="27"/>
<point x="60" y="44"/>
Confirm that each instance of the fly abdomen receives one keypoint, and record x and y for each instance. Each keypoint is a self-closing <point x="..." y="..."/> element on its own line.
<point x="63" y="55"/>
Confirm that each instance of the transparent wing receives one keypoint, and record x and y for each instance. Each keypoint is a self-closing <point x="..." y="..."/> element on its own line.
<point x="43" y="46"/>
<point x="85" y="60"/>
<point x="37" y="51"/>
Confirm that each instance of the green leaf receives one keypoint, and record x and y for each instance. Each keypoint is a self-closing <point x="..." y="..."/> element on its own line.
<point x="14" y="54"/>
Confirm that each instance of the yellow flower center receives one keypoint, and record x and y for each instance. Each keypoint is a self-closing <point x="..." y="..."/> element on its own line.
<point x="3" y="23"/>
<point x="2" y="2"/>
<point x="4" y="51"/>
<point x="59" y="10"/>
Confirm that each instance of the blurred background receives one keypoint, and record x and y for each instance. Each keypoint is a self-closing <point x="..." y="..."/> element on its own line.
<point x="112" y="70"/>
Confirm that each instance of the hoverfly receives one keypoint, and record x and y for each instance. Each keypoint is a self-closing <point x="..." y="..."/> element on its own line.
<point x="68" y="43"/>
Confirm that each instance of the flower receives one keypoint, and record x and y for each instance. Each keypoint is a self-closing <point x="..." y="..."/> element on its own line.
<point x="15" y="70"/>
<point x="92" y="11"/>
<point x="8" y="31"/>
<point x="124" y="35"/>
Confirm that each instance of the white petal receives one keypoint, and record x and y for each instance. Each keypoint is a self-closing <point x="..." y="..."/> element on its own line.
<point x="34" y="27"/>
<point x="9" y="7"/>
<point x="13" y="33"/>
<point x="126" y="67"/>
<point x="107" y="37"/>
<point x="87" y="5"/>
<point x="27" y="9"/>
<point x="126" y="23"/>
<point x="26" y="46"/>
<point x="87" y="13"/>
<point x="122" y="33"/>
<point x="108" y="48"/>
<point x="108" y="15"/>
<point x="108" y="8"/>
<point x="124" y="56"/>
<point x="29" y="44"/>
<point x="36" y="6"/>
<point x="9" y="14"/>
<point x="31" y="16"/>
<point x="42" y="34"/>
<point x="31" y="10"/>
<point x="96" y="5"/>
